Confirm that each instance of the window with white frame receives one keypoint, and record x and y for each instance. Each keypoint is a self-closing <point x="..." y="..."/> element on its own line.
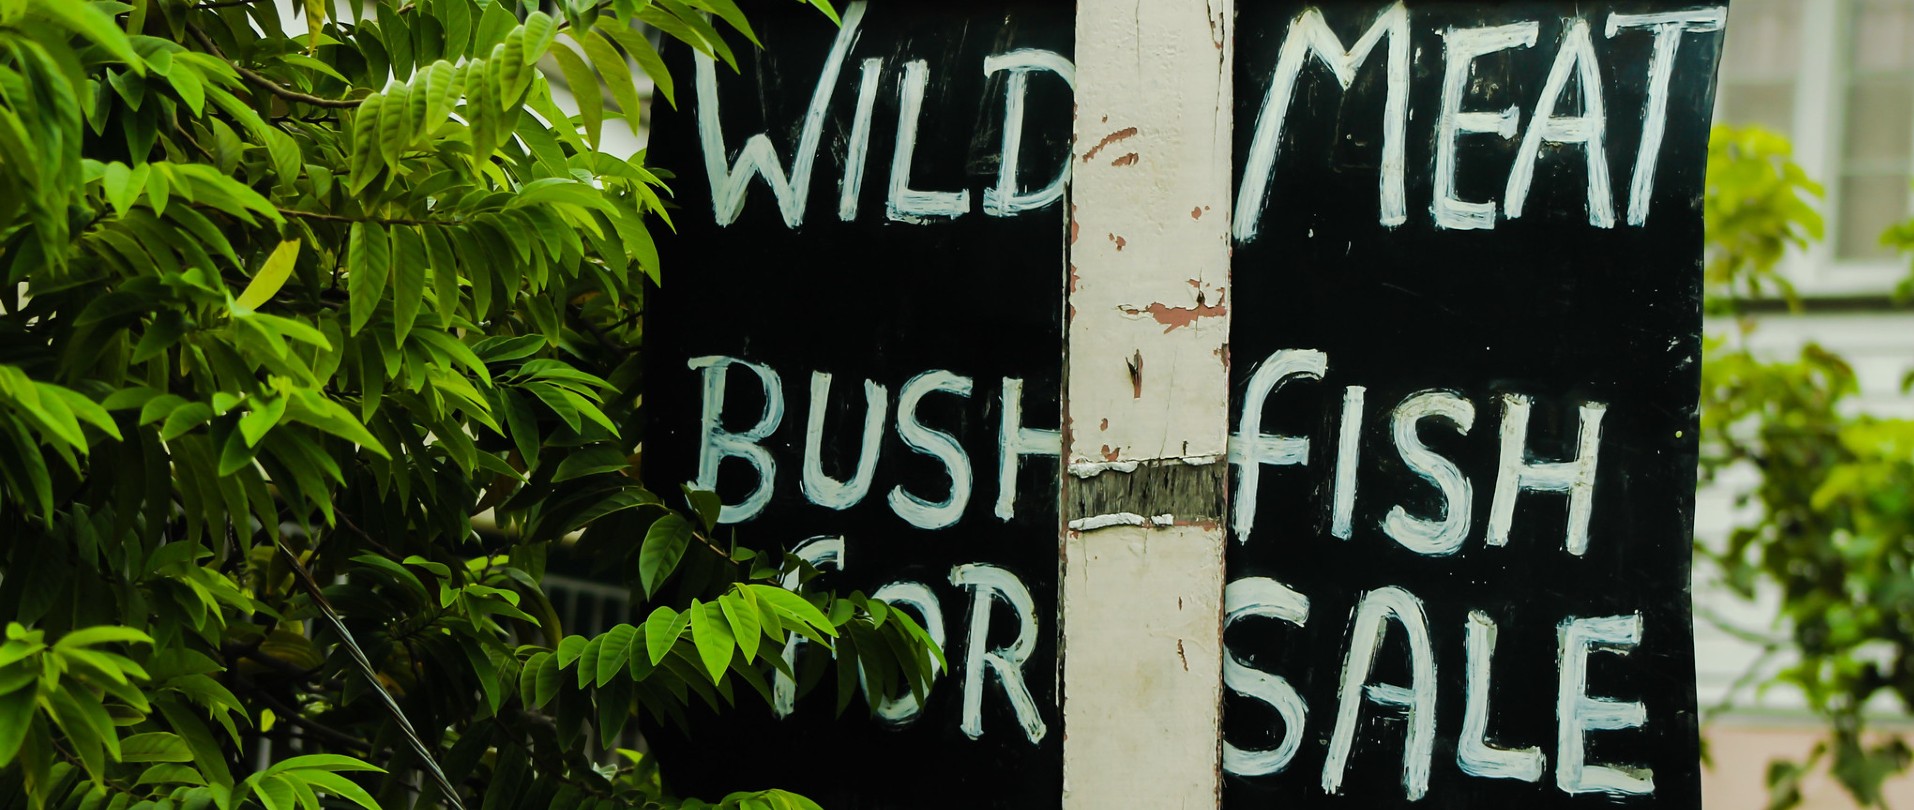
<point x="1760" y="65"/>
<point x="1877" y="140"/>
<point x="1837" y="76"/>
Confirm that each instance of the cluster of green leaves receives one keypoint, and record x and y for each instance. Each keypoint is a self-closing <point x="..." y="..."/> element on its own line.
<point x="1833" y="527"/>
<point x="287" y="312"/>
<point x="1758" y="206"/>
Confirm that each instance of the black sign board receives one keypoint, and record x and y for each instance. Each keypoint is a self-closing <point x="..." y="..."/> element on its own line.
<point x="1465" y="355"/>
<point x="859" y="344"/>
<point x="1465" y="348"/>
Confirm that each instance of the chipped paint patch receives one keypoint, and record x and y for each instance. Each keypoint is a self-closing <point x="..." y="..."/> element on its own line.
<point x="1174" y="318"/>
<point x="1128" y="159"/>
<point x="1086" y="469"/>
<point x="1094" y="522"/>
<point x="1126" y="132"/>
<point x="1120" y="241"/>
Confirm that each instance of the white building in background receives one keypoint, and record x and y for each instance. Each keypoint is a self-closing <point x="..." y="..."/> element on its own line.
<point x="1837" y="77"/>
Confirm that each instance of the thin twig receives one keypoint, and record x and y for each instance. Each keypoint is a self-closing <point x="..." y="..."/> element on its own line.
<point x="295" y="717"/>
<point x="419" y="748"/>
<point x="376" y="545"/>
<point x="315" y="215"/>
<point x="720" y="552"/>
<point x="259" y="80"/>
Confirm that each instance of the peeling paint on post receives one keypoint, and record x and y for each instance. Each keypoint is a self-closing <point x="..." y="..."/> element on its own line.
<point x="1146" y="405"/>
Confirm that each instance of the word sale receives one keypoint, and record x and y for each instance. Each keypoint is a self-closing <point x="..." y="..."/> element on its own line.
<point x="1577" y="713"/>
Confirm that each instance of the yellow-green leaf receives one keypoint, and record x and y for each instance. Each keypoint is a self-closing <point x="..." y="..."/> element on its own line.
<point x="584" y="88"/>
<point x="616" y="73"/>
<point x="272" y="275"/>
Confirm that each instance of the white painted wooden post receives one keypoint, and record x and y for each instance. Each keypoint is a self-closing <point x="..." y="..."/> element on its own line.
<point x="1146" y="405"/>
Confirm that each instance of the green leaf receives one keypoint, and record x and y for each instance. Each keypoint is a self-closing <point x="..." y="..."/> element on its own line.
<point x="661" y="631"/>
<point x="585" y="90"/>
<point x="394" y="136"/>
<point x="562" y="190"/>
<point x="705" y="504"/>
<point x="207" y="753"/>
<point x="825" y="6"/>
<point x="272" y="275"/>
<point x="528" y="679"/>
<point x="615" y="650"/>
<point x="83" y="409"/>
<point x="406" y="579"/>
<point x="315" y="409"/>
<point x="263" y="416"/>
<point x="341" y="787"/>
<point x="729" y="11"/>
<point x="90" y="24"/>
<point x="274" y="792"/>
<point x="713" y="637"/>
<point x="742" y="613"/>
<point x="121" y="188"/>
<point x="545" y="681"/>
<point x="615" y="72"/>
<point x="587" y="661"/>
<point x="16" y="709"/>
<point x="614" y="710"/>
<point x="166" y="330"/>
<point x="367" y="158"/>
<point x="88" y="727"/>
<point x="663" y="547"/>
<point x="445" y="272"/>
<point x="590" y="461"/>
<point x="570" y="649"/>
<point x="496" y="22"/>
<point x="440" y="86"/>
<point x="156" y="746"/>
<point x="790" y="604"/>
<point x="368" y="262"/>
<point x="408" y="264"/>
<point x="165" y="773"/>
<point x="104" y="634"/>
<point x="540" y="28"/>
<point x="323" y="762"/>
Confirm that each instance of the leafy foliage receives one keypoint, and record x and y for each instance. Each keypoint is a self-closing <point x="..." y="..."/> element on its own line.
<point x="1756" y="208"/>
<point x="288" y="311"/>
<point x="1833" y="530"/>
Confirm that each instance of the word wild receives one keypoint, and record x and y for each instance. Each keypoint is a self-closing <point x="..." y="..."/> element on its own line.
<point x="1308" y="42"/>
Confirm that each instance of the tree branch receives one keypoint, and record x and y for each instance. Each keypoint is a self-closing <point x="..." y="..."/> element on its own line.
<point x="297" y="718"/>
<point x="321" y="217"/>
<point x="259" y="80"/>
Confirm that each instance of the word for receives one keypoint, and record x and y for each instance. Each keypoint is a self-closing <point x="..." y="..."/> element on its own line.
<point x="1251" y="449"/>
<point x="903" y="203"/>
<point x="718" y="442"/>
<point x="988" y="584"/>
<point x="1576" y="712"/>
<point x="1586" y="128"/>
